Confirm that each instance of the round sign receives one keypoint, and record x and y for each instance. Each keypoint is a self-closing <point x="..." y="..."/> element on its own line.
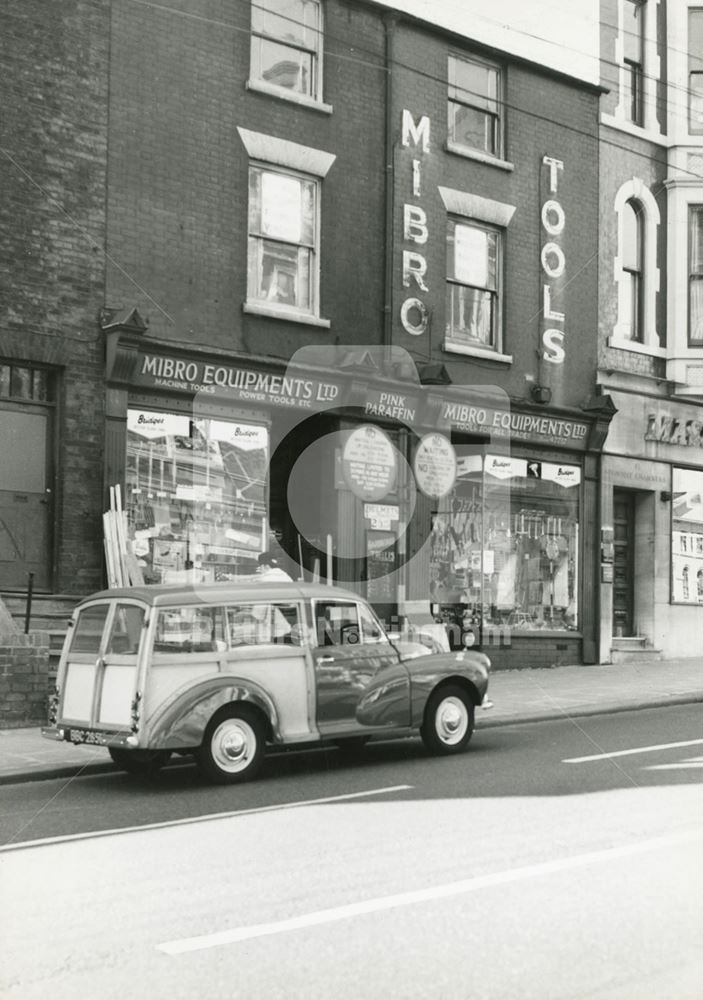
<point x="435" y="465"/>
<point x="369" y="463"/>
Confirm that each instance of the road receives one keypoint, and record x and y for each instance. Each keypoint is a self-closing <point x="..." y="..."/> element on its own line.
<point x="553" y="860"/>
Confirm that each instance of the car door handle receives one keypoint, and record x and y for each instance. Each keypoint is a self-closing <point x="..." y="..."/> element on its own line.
<point x="325" y="659"/>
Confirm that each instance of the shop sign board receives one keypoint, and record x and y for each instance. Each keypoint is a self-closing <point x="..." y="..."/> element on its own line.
<point x="552" y="262"/>
<point x="369" y="463"/>
<point x="381" y="516"/>
<point x="296" y="389"/>
<point x="391" y="406"/>
<point x="162" y="371"/>
<point x="435" y="465"/>
<point x="512" y="424"/>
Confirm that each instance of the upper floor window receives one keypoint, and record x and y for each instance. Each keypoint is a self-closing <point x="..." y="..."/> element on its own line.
<point x="473" y="285"/>
<point x="283" y="239"/>
<point x="633" y="266"/>
<point x="695" y="277"/>
<point x="474" y="105"/>
<point x="286" y="45"/>
<point x="635" y="269"/>
<point x="695" y="71"/>
<point x="633" y="51"/>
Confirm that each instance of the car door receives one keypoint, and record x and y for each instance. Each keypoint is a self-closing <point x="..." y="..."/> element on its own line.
<point x="360" y="681"/>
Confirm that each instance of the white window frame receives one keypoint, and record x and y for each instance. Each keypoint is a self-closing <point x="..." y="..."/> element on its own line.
<point x="471" y="209"/>
<point x="636" y="190"/>
<point x="693" y="210"/>
<point x="474" y="152"/>
<point x="684" y="364"/>
<point x="651" y="71"/>
<point x="267" y="152"/>
<point x="257" y="83"/>
<point x="693" y="69"/>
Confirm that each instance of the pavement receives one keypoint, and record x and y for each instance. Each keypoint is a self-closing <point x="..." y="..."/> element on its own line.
<point x="518" y="696"/>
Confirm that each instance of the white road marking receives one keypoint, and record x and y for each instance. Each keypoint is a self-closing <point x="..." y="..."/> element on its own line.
<point x="91" y="834"/>
<point x="462" y="887"/>
<point x="626" y="753"/>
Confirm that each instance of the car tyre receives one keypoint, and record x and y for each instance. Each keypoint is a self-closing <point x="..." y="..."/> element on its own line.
<point x="233" y="746"/>
<point x="141" y="763"/>
<point x="448" y="724"/>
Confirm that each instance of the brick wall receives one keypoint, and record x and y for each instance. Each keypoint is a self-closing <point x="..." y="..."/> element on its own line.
<point x="544" y="115"/>
<point x="178" y="172"/>
<point x="53" y="131"/>
<point x="24" y="679"/>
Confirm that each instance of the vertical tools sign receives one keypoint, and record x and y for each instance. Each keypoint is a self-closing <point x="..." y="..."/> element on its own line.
<point x="552" y="260"/>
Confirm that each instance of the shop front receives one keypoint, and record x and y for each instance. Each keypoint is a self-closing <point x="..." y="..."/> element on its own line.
<point x="436" y="509"/>
<point x="651" y="592"/>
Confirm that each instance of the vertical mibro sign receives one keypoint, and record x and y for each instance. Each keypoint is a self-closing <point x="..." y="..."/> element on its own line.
<point x="414" y="314"/>
<point x="552" y="261"/>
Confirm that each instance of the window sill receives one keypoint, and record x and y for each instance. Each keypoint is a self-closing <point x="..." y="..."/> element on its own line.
<point x="280" y="312"/>
<point x="636" y="348"/>
<point x="476" y="154"/>
<point x="477" y="352"/>
<point x="640" y="131"/>
<point x="289" y="95"/>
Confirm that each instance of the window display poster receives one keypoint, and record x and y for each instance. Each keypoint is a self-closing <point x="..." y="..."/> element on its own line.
<point x="380" y="566"/>
<point x="195" y="495"/>
<point x="687" y="536"/>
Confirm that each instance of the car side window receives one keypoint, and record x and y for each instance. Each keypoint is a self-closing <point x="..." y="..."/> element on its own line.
<point x="189" y="630"/>
<point x="263" y="623"/>
<point x="88" y="631"/>
<point x="337" y="623"/>
<point x="371" y="629"/>
<point x="126" y="630"/>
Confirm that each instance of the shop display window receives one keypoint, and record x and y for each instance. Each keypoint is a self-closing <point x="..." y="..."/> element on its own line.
<point x="687" y="536"/>
<point x="504" y="546"/>
<point x="195" y="496"/>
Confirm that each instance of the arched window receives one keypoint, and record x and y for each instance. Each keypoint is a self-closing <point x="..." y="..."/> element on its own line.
<point x="699" y="583"/>
<point x="633" y="267"/>
<point x="684" y="580"/>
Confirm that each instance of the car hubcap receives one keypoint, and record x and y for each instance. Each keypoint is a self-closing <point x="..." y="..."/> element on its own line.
<point x="452" y="721"/>
<point x="233" y="745"/>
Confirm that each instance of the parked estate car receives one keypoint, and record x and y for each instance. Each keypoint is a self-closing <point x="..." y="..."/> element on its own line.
<point x="225" y="671"/>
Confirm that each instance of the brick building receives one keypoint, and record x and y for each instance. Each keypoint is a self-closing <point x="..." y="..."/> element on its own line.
<point x="339" y="292"/>
<point x="53" y="141"/>
<point x="650" y="346"/>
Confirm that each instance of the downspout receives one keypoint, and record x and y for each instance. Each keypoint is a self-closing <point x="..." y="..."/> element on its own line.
<point x="389" y="22"/>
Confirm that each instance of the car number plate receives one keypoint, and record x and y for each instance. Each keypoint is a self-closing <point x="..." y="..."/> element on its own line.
<point x="84" y="736"/>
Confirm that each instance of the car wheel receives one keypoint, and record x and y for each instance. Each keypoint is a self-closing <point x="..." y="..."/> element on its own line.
<point x="449" y="720"/>
<point x="143" y="763"/>
<point x="233" y="745"/>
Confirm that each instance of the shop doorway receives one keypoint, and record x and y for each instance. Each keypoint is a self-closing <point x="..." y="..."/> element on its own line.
<point x="26" y="501"/>
<point x="623" y="562"/>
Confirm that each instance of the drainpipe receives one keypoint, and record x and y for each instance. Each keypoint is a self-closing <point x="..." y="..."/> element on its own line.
<point x="389" y="22"/>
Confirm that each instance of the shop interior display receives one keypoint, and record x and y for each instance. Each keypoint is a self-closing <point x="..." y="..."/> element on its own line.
<point x="196" y="503"/>
<point x="504" y="556"/>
